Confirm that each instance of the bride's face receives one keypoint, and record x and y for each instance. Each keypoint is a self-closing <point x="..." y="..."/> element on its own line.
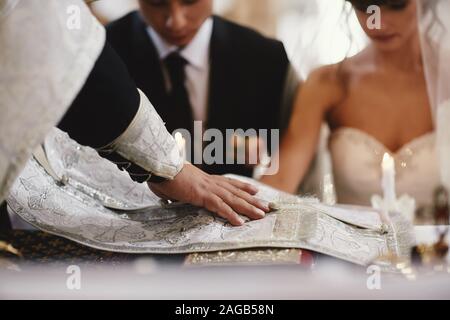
<point x="398" y="25"/>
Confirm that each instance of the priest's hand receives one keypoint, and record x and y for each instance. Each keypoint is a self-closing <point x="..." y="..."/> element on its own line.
<point x="228" y="198"/>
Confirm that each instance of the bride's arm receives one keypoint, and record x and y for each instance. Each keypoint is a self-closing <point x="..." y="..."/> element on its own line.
<point x="298" y="146"/>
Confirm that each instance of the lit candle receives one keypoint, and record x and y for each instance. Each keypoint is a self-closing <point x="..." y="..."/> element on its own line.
<point x="181" y="143"/>
<point x="388" y="181"/>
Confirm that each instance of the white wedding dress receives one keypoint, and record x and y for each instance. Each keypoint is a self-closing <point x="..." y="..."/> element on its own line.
<point x="356" y="165"/>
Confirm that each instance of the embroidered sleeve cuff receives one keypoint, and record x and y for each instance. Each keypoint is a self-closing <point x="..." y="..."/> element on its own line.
<point x="148" y="144"/>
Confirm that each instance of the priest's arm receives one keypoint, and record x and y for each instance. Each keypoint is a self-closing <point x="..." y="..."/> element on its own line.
<point x="56" y="65"/>
<point x="112" y="116"/>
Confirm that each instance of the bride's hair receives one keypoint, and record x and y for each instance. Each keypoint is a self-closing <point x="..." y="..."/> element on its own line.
<point x="428" y="7"/>
<point x="362" y="5"/>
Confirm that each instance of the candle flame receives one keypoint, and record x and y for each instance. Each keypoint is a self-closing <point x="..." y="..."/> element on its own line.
<point x="178" y="136"/>
<point x="388" y="162"/>
<point x="181" y="142"/>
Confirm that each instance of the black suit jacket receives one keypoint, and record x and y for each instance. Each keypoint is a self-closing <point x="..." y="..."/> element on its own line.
<point x="247" y="76"/>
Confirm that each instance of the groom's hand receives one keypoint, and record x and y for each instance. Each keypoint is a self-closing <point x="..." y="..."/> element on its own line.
<point x="226" y="197"/>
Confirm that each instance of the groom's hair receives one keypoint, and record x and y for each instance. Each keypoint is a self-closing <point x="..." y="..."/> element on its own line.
<point x="362" y="5"/>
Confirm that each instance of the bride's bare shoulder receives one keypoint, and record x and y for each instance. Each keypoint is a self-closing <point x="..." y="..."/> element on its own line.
<point x="326" y="85"/>
<point x="327" y="75"/>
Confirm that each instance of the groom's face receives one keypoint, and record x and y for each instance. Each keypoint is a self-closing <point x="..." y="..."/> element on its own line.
<point x="176" y="21"/>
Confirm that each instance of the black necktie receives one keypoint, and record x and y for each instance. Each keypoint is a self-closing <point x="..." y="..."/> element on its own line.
<point x="181" y="110"/>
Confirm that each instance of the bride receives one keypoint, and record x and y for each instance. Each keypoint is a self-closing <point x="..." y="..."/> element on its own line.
<point x="374" y="103"/>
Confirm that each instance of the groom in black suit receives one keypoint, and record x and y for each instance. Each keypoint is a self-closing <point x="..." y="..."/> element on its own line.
<point x="197" y="67"/>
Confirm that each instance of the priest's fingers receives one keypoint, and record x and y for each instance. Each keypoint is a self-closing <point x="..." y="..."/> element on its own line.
<point x="239" y="204"/>
<point x="213" y="193"/>
<point x="216" y="205"/>
<point x="239" y="193"/>
<point x="247" y="187"/>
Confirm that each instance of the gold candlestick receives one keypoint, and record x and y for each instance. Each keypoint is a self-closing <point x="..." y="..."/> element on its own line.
<point x="6" y="247"/>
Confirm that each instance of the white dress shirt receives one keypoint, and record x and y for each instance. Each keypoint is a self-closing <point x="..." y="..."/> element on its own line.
<point x="196" y="54"/>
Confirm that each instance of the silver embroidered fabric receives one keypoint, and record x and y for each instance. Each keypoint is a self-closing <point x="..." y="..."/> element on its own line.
<point x="147" y="143"/>
<point x="72" y="212"/>
<point x="44" y="64"/>
<point x="85" y="170"/>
